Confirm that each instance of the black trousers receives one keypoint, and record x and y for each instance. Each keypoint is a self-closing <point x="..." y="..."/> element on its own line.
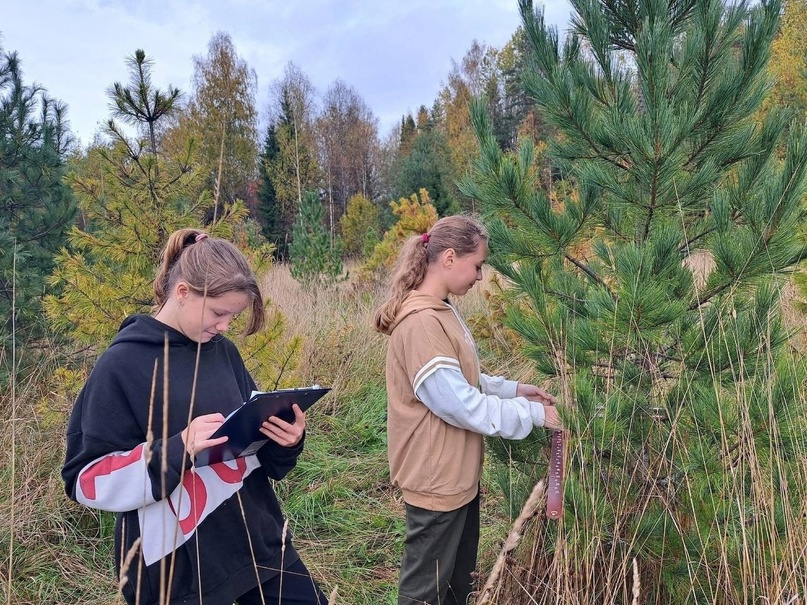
<point x="439" y="555"/>
<point x="295" y="587"/>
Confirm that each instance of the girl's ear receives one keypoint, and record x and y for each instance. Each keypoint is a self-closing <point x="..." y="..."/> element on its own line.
<point x="449" y="254"/>
<point x="181" y="290"/>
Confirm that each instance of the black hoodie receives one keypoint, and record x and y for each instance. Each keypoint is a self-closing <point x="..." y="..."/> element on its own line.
<point x="213" y="530"/>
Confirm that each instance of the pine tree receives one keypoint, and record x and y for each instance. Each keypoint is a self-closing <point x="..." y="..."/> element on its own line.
<point x="36" y="207"/>
<point x="651" y="294"/>
<point x="132" y="198"/>
<point x="315" y="259"/>
<point x="140" y="104"/>
<point x="415" y="214"/>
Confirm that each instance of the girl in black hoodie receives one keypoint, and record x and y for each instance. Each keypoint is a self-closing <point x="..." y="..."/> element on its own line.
<point x="187" y="535"/>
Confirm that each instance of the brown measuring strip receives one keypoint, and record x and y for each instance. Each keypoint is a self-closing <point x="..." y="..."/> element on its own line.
<point x="554" y="497"/>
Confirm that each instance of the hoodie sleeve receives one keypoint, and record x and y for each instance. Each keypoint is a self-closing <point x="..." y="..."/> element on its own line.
<point x="109" y="463"/>
<point x="448" y="395"/>
<point x="278" y="460"/>
<point x="498" y="385"/>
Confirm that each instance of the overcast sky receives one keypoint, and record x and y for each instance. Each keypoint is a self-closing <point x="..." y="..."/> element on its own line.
<point x="396" y="53"/>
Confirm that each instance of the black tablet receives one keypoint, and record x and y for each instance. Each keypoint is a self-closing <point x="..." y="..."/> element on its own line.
<point x="242" y="427"/>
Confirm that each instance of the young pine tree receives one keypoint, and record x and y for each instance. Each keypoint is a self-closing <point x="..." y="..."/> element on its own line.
<point x="132" y="196"/>
<point x="360" y="226"/>
<point x="652" y="295"/>
<point x="316" y="260"/>
<point x="415" y="214"/>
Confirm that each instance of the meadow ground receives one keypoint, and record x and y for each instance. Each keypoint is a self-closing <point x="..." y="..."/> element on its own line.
<point x="347" y="519"/>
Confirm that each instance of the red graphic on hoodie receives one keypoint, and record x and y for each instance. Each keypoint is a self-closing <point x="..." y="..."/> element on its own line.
<point x="106" y="466"/>
<point x="196" y="488"/>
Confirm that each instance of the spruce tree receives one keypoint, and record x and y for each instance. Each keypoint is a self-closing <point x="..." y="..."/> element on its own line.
<point x="268" y="205"/>
<point x="428" y="166"/>
<point x="294" y="168"/>
<point x="315" y="259"/>
<point x="651" y="295"/>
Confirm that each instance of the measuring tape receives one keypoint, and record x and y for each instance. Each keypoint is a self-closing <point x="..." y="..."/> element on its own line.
<point x="554" y="497"/>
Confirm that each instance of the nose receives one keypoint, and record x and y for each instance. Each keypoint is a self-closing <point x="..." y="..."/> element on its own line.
<point x="223" y="325"/>
<point x="479" y="275"/>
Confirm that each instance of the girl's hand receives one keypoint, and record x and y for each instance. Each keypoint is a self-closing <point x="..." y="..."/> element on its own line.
<point x="195" y="436"/>
<point x="284" y="433"/>
<point x="534" y="393"/>
<point x="552" y="419"/>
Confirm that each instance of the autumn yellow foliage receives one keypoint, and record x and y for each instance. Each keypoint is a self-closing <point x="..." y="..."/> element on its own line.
<point x="416" y="214"/>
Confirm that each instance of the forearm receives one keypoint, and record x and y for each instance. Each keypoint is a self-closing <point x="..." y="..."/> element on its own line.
<point x="498" y="385"/>
<point x="448" y="395"/>
<point x="125" y="480"/>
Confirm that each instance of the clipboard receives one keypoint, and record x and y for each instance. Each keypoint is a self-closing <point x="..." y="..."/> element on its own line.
<point x="242" y="426"/>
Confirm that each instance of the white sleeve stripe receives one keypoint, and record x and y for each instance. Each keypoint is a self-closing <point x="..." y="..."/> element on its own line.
<point x="431" y="366"/>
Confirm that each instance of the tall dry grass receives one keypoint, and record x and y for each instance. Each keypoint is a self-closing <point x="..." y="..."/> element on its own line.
<point x="51" y="550"/>
<point x="346" y="517"/>
<point x="347" y="520"/>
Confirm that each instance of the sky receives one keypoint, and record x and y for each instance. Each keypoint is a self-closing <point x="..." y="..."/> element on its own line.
<point x="396" y="54"/>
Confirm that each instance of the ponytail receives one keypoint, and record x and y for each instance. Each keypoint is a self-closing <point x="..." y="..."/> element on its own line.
<point x="409" y="273"/>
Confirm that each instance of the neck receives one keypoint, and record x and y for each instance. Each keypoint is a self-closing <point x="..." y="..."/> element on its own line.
<point x="433" y="287"/>
<point x="167" y="314"/>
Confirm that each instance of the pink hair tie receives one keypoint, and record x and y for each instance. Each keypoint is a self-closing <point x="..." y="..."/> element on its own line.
<point x="200" y="237"/>
<point x="425" y="238"/>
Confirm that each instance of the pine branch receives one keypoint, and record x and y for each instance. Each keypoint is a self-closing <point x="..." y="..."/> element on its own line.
<point x="588" y="271"/>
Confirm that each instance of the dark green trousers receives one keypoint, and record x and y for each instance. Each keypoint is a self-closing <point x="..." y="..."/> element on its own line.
<point x="439" y="555"/>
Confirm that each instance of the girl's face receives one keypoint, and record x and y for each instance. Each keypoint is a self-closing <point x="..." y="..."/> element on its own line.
<point x="201" y="318"/>
<point x="466" y="270"/>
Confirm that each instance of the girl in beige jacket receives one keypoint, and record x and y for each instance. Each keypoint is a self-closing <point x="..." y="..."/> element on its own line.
<point x="439" y="407"/>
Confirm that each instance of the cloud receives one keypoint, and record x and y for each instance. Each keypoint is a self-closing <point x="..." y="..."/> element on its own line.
<point x="395" y="54"/>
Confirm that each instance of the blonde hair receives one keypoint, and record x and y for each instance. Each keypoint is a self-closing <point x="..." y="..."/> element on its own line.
<point x="211" y="267"/>
<point x="460" y="232"/>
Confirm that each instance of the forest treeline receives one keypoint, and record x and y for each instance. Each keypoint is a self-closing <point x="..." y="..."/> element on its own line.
<point x="202" y="149"/>
<point x="323" y="142"/>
